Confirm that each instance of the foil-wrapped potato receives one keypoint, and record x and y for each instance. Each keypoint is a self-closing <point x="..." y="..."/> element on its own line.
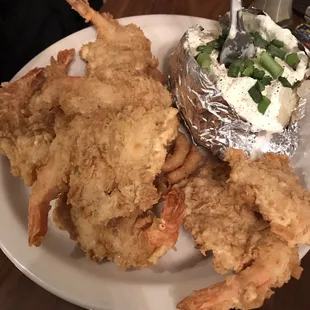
<point x="252" y="104"/>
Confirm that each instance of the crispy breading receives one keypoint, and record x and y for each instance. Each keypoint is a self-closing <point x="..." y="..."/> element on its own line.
<point x="111" y="141"/>
<point x="235" y="211"/>
<point x="137" y="240"/>
<point x="97" y="142"/>
<point x="271" y="184"/>
<point x="109" y="162"/>
<point x="274" y="262"/>
<point x="219" y="220"/>
<point x="25" y="133"/>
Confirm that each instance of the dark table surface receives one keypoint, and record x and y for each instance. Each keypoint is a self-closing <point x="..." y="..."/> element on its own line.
<point x="18" y="293"/>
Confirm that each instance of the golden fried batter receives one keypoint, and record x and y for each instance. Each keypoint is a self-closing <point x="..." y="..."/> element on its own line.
<point x="134" y="241"/>
<point x="275" y="189"/>
<point x="274" y="262"/>
<point x="218" y="220"/>
<point x="110" y="142"/>
<point x="251" y="214"/>
<point x="25" y="133"/>
<point x="96" y="144"/>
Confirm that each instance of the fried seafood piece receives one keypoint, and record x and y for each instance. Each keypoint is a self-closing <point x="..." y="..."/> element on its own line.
<point x="62" y="216"/>
<point x="24" y="138"/>
<point x="111" y="140"/>
<point x="25" y="133"/>
<point x="106" y="162"/>
<point x="219" y="220"/>
<point x="56" y="71"/>
<point x="119" y="52"/>
<point x="275" y="189"/>
<point x="84" y="95"/>
<point x="274" y="262"/>
<point x="138" y="240"/>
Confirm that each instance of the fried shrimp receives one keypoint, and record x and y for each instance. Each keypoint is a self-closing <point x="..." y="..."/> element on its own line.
<point x="119" y="51"/>
<point x="104" y="27"/>
<point x="191" y="163"/>
<point x="62" y="216"/>
<point x="219" y="221"/>
<point x="180" y="150"/>
<point x="138" y="240"/>
<point x="233" y="209"/>
<point x="24" y="137"/>
<point x="109" y="144"/>
<point x="274" y="262"/>
<point x="272" y="185"/>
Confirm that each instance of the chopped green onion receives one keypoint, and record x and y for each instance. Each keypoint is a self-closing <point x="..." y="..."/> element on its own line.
<point x="277" y="43"/>
<point x="208" y="48"/>
<point x="206" y="64"/>
<point x="204" y="60"/>
<point x="234" y="68"/>
<point x="260" y="86"/>
<point x="266" y="80"/>
<point x="205" y="49"/>
<point x="258" y="74"/>
<point x="201" y="48"/>
<point x="258" y="40"/>
<point x="263" y="105"/>
<point x="255" y="94"/>
<point x="248" y="68"/>
<point x="292" y="60"/>
<point x="284" y="81"/>
<point x="270" y="65"/>
<point x="202" y="57"/>
<point x="276" y="51"/>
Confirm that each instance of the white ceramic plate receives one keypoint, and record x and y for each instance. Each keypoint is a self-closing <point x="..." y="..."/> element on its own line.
<point x="58" y="265"/>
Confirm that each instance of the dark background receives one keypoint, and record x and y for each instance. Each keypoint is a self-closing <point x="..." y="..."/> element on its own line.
<point x="27" y="27"/>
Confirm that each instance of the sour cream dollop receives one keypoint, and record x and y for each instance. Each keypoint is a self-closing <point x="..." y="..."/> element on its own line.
<point x="235" y="90"/>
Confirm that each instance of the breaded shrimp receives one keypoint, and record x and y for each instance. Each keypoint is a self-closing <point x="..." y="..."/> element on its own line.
<point x="138" y="240"/>
<point x="119" y="52"/>
<point x="270" y="184"/>
<point x="274" y="262"/>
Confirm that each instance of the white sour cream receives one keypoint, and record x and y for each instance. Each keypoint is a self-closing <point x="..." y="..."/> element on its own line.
<point x="235" y="90"/>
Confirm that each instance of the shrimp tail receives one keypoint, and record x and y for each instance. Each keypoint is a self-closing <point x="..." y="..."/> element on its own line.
<point x="30" y="82"/>
<point x="37" y="222"/>
<point x="273" y="266"/>
<point x="103" y="25"/>
<point x="59" y="66"/>
<point x="173" y="211"/>
<point x="39" y="207"/>
<point x="163" y="234"/>
<point x="46" y="188"/>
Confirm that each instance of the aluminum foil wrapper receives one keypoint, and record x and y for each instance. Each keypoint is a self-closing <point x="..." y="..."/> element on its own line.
<point x="210" y="119"/>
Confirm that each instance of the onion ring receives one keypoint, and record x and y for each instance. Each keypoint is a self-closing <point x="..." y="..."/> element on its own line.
<point x="178" y="156"/>
<point x="191" y="163"/>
